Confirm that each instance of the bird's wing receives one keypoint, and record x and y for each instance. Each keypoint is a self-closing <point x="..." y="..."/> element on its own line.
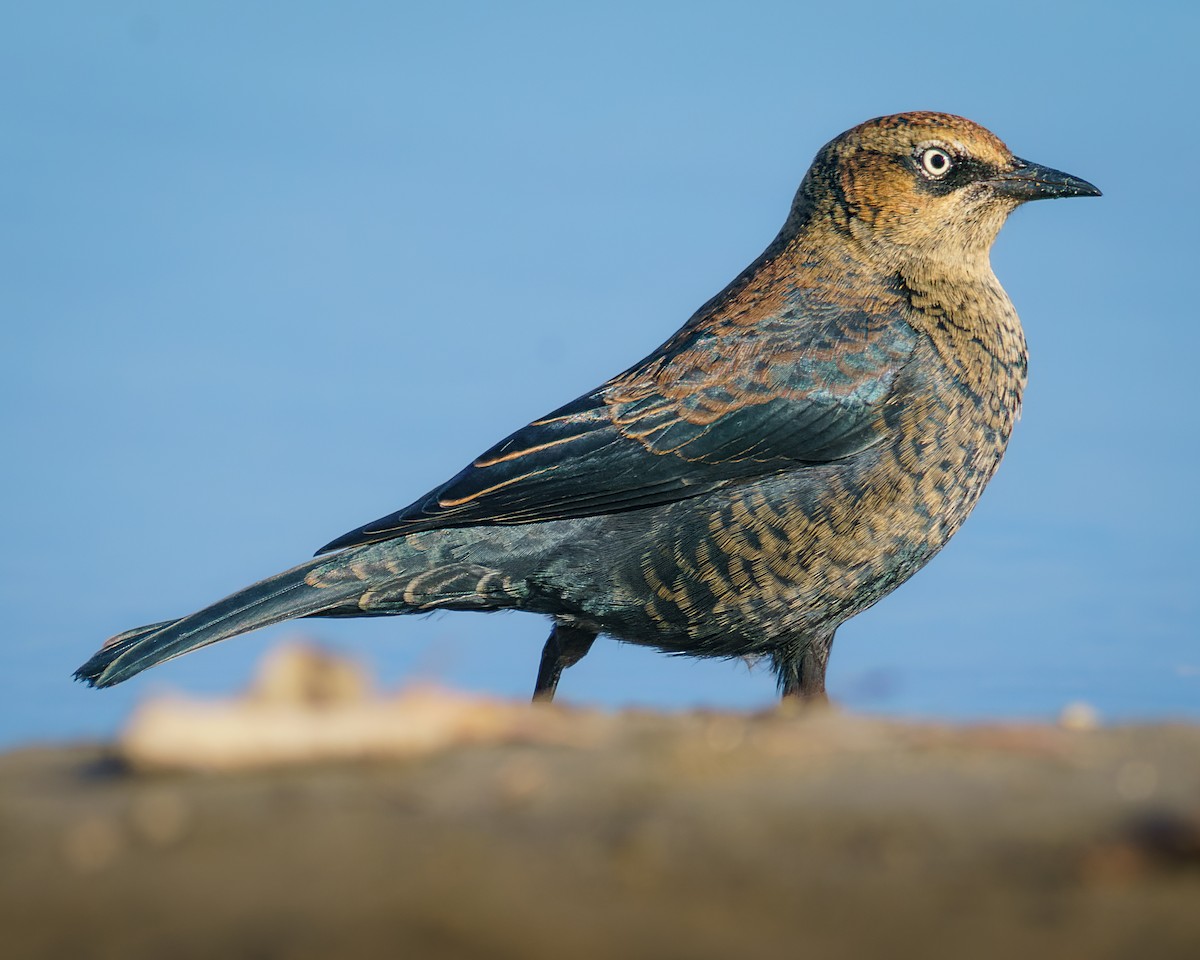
<point x="715" y="404"/>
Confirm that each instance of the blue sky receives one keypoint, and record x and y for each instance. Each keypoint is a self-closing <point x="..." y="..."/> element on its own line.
<point x="269" y="271"/>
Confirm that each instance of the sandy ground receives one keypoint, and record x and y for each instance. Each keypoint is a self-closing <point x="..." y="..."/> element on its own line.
<point x="572" y="834"/>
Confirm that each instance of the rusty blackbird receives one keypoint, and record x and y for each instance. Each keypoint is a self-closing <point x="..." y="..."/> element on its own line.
<point x="797" y="450"/>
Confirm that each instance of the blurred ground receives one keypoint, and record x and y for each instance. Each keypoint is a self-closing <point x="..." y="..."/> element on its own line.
<point x="549" y="832"/>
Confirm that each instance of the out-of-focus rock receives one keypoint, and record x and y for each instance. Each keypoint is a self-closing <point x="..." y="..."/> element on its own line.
<point x="308" y="706"/>
<point x="305" y="675"/>
<point x="1079" y="716"/>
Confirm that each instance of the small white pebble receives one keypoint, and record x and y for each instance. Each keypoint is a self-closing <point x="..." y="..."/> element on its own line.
<point x="1079" y="716"/>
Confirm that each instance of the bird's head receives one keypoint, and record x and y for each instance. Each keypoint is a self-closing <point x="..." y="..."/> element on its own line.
<point x="929" y="185"/>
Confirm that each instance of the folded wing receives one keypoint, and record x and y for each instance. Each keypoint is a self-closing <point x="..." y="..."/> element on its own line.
<point x="717" y="404"/>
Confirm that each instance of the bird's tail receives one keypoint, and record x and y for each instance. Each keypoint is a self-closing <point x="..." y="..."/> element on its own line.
<point x="299" y="592"/>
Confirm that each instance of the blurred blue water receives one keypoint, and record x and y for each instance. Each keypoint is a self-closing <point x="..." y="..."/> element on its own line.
<point x="266" y="277"/>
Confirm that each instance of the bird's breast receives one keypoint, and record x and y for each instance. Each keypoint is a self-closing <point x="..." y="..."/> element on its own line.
<point x="952" y="418"/>
<point x="822" y="543"/>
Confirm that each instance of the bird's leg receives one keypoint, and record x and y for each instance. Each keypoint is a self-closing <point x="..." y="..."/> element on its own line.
<point x="800" y="669"/>
<point x="565" y="647"/>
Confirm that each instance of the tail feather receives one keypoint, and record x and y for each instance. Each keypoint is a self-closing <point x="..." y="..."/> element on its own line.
<point x="281" y="597"/>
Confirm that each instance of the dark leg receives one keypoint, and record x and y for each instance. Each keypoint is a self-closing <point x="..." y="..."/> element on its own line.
<point x="566" y="646"/>
<point x="800" y="669"/>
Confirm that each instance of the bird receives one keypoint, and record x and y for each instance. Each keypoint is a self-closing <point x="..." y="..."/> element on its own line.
<point x="799" y="448"/>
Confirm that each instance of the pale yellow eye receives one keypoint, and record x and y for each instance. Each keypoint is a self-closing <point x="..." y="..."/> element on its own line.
<point x="936" y="162"/>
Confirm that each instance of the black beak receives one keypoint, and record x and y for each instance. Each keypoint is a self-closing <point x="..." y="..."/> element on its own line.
<point x="1032" y="181"/>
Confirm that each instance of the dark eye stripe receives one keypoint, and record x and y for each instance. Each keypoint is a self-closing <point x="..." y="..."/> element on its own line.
<point x="961" y="172"/>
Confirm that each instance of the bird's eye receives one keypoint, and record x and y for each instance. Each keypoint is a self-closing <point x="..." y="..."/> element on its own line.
<point x="936" y="162"/>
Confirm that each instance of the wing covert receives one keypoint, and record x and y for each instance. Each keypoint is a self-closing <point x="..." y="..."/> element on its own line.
<point x="712" y="406"/>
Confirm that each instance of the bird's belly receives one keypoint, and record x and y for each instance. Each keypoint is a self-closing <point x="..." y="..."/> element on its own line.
<point x="733" y="573"/>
